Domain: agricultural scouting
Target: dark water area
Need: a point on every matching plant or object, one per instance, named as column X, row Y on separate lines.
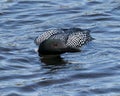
column 95, row 71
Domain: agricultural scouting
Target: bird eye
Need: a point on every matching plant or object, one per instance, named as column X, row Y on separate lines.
column 55, row 45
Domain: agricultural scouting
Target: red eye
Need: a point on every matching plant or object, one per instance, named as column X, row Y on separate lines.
column 55, row 45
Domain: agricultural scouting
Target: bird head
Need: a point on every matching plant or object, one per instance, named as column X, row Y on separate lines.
column 54, row 47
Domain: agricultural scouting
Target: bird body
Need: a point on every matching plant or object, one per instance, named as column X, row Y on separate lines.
column 58, row 41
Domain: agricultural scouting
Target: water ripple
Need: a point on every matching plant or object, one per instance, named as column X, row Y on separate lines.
column 92, row 72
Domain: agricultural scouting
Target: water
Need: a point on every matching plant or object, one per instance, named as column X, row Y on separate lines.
column 92, row 72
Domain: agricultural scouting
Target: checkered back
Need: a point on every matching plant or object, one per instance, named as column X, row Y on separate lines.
column 73, row 37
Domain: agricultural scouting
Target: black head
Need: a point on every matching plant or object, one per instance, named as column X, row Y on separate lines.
column 54, row 47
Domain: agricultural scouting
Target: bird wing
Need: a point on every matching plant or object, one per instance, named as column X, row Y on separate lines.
column 77, row 39
column 47, row 35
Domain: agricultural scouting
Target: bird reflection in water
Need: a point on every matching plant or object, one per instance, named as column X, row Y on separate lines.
column 53, row 64
column 53, row 60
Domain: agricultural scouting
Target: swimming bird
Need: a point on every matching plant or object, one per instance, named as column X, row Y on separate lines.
column 58, row 41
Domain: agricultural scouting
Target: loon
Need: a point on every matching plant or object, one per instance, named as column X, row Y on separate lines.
column 58, row 41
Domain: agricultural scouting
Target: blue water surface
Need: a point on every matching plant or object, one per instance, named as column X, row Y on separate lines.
column 95, row 71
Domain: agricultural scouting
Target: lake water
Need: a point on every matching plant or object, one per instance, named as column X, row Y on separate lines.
column 95, row 71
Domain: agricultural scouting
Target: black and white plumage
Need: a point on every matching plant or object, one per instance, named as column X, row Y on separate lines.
column 58, row 41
